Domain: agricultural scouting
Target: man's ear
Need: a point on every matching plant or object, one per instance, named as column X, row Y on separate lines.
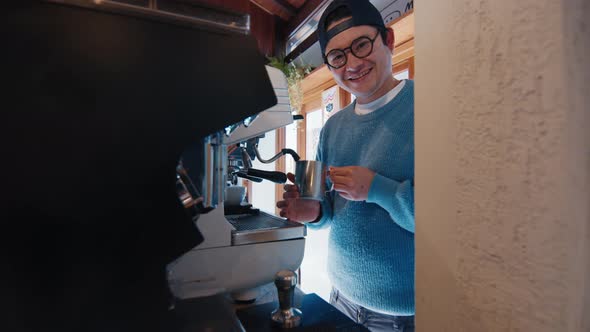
column 390, row 39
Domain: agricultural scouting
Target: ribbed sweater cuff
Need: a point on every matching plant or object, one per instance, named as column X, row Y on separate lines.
column 382, row 189
column 324, row 218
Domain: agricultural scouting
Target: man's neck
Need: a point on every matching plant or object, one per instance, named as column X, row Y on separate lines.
column 383, row 90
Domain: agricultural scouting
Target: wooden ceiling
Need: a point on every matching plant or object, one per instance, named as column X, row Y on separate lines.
column 291, row 12
column 279, row 19
column 287, row 16
column 285, row 9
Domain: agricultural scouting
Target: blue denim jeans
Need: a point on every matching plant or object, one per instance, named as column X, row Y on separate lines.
column 374, row 321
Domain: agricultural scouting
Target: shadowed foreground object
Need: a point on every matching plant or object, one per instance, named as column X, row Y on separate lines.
column 97, row 110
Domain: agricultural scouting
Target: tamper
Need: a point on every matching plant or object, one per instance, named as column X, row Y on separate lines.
column 285, row 315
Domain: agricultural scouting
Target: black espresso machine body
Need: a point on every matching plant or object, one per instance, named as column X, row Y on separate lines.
column 98, row 106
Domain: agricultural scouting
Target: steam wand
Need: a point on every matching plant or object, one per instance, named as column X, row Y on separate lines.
column 280, row 154
column 274, row 176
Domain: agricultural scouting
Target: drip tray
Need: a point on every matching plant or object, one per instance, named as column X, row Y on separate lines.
column 263, row 227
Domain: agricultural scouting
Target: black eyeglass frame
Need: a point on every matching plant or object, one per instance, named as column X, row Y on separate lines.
column 343, row 50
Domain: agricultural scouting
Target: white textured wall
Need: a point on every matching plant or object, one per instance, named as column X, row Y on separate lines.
column 502, row 165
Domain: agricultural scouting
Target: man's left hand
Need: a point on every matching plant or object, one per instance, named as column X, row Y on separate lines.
column 352, row 182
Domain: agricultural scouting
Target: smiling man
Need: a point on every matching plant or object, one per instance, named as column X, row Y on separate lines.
column 369, row 147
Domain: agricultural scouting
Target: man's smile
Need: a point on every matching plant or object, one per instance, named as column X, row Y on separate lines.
column 359, row 75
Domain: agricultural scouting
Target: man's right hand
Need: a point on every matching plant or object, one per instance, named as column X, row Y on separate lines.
column 294, row 208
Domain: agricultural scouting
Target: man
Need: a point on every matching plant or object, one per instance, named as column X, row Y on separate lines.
column 369, row 148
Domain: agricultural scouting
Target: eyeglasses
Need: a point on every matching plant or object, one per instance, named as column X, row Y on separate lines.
column 360, row 48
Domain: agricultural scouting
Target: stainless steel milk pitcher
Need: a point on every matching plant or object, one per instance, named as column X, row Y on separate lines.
column 310, row 178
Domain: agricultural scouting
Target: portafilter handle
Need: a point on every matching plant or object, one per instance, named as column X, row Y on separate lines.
column 286, row 315
column 274, row 176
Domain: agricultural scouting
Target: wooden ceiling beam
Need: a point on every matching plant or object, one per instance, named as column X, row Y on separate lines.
column 280, row 8
column 307, row 43
column 286, row 6
column 302, row 15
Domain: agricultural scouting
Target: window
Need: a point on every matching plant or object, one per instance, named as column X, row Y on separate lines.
column 263, row 193
column 313, row 126
column 314, row 275
column 403, row 75
column 290, row 143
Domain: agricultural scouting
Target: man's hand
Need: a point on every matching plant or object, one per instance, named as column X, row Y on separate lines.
column 352, row 182
column 294, row 208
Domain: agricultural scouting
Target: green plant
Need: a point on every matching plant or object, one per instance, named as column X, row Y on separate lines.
column 295, row 74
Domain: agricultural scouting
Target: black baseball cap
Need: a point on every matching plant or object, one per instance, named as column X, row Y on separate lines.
column 362, row 13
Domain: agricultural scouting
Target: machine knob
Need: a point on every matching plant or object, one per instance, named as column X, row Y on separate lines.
column 285, row 315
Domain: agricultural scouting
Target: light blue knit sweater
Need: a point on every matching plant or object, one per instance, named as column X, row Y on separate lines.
column 371, row 244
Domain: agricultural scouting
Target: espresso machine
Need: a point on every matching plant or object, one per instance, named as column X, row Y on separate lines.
column 243, row 248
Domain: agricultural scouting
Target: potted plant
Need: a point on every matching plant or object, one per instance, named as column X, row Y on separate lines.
column 295, row 74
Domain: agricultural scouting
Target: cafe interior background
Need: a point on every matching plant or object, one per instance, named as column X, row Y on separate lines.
column 285, row 31
column 502, row 156
column 502, row 151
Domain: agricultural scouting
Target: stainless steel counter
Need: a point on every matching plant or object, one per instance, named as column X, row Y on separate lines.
column 263, row 227
column 220, row 313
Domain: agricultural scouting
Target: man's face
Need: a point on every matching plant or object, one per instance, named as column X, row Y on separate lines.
column 368, row 78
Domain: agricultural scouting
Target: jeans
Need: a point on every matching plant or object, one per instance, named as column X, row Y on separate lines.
column 374, row 321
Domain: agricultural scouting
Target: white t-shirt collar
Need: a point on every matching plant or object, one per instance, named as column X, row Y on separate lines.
column 363, row 109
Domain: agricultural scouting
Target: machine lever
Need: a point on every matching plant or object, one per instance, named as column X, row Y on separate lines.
column 276, row 177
